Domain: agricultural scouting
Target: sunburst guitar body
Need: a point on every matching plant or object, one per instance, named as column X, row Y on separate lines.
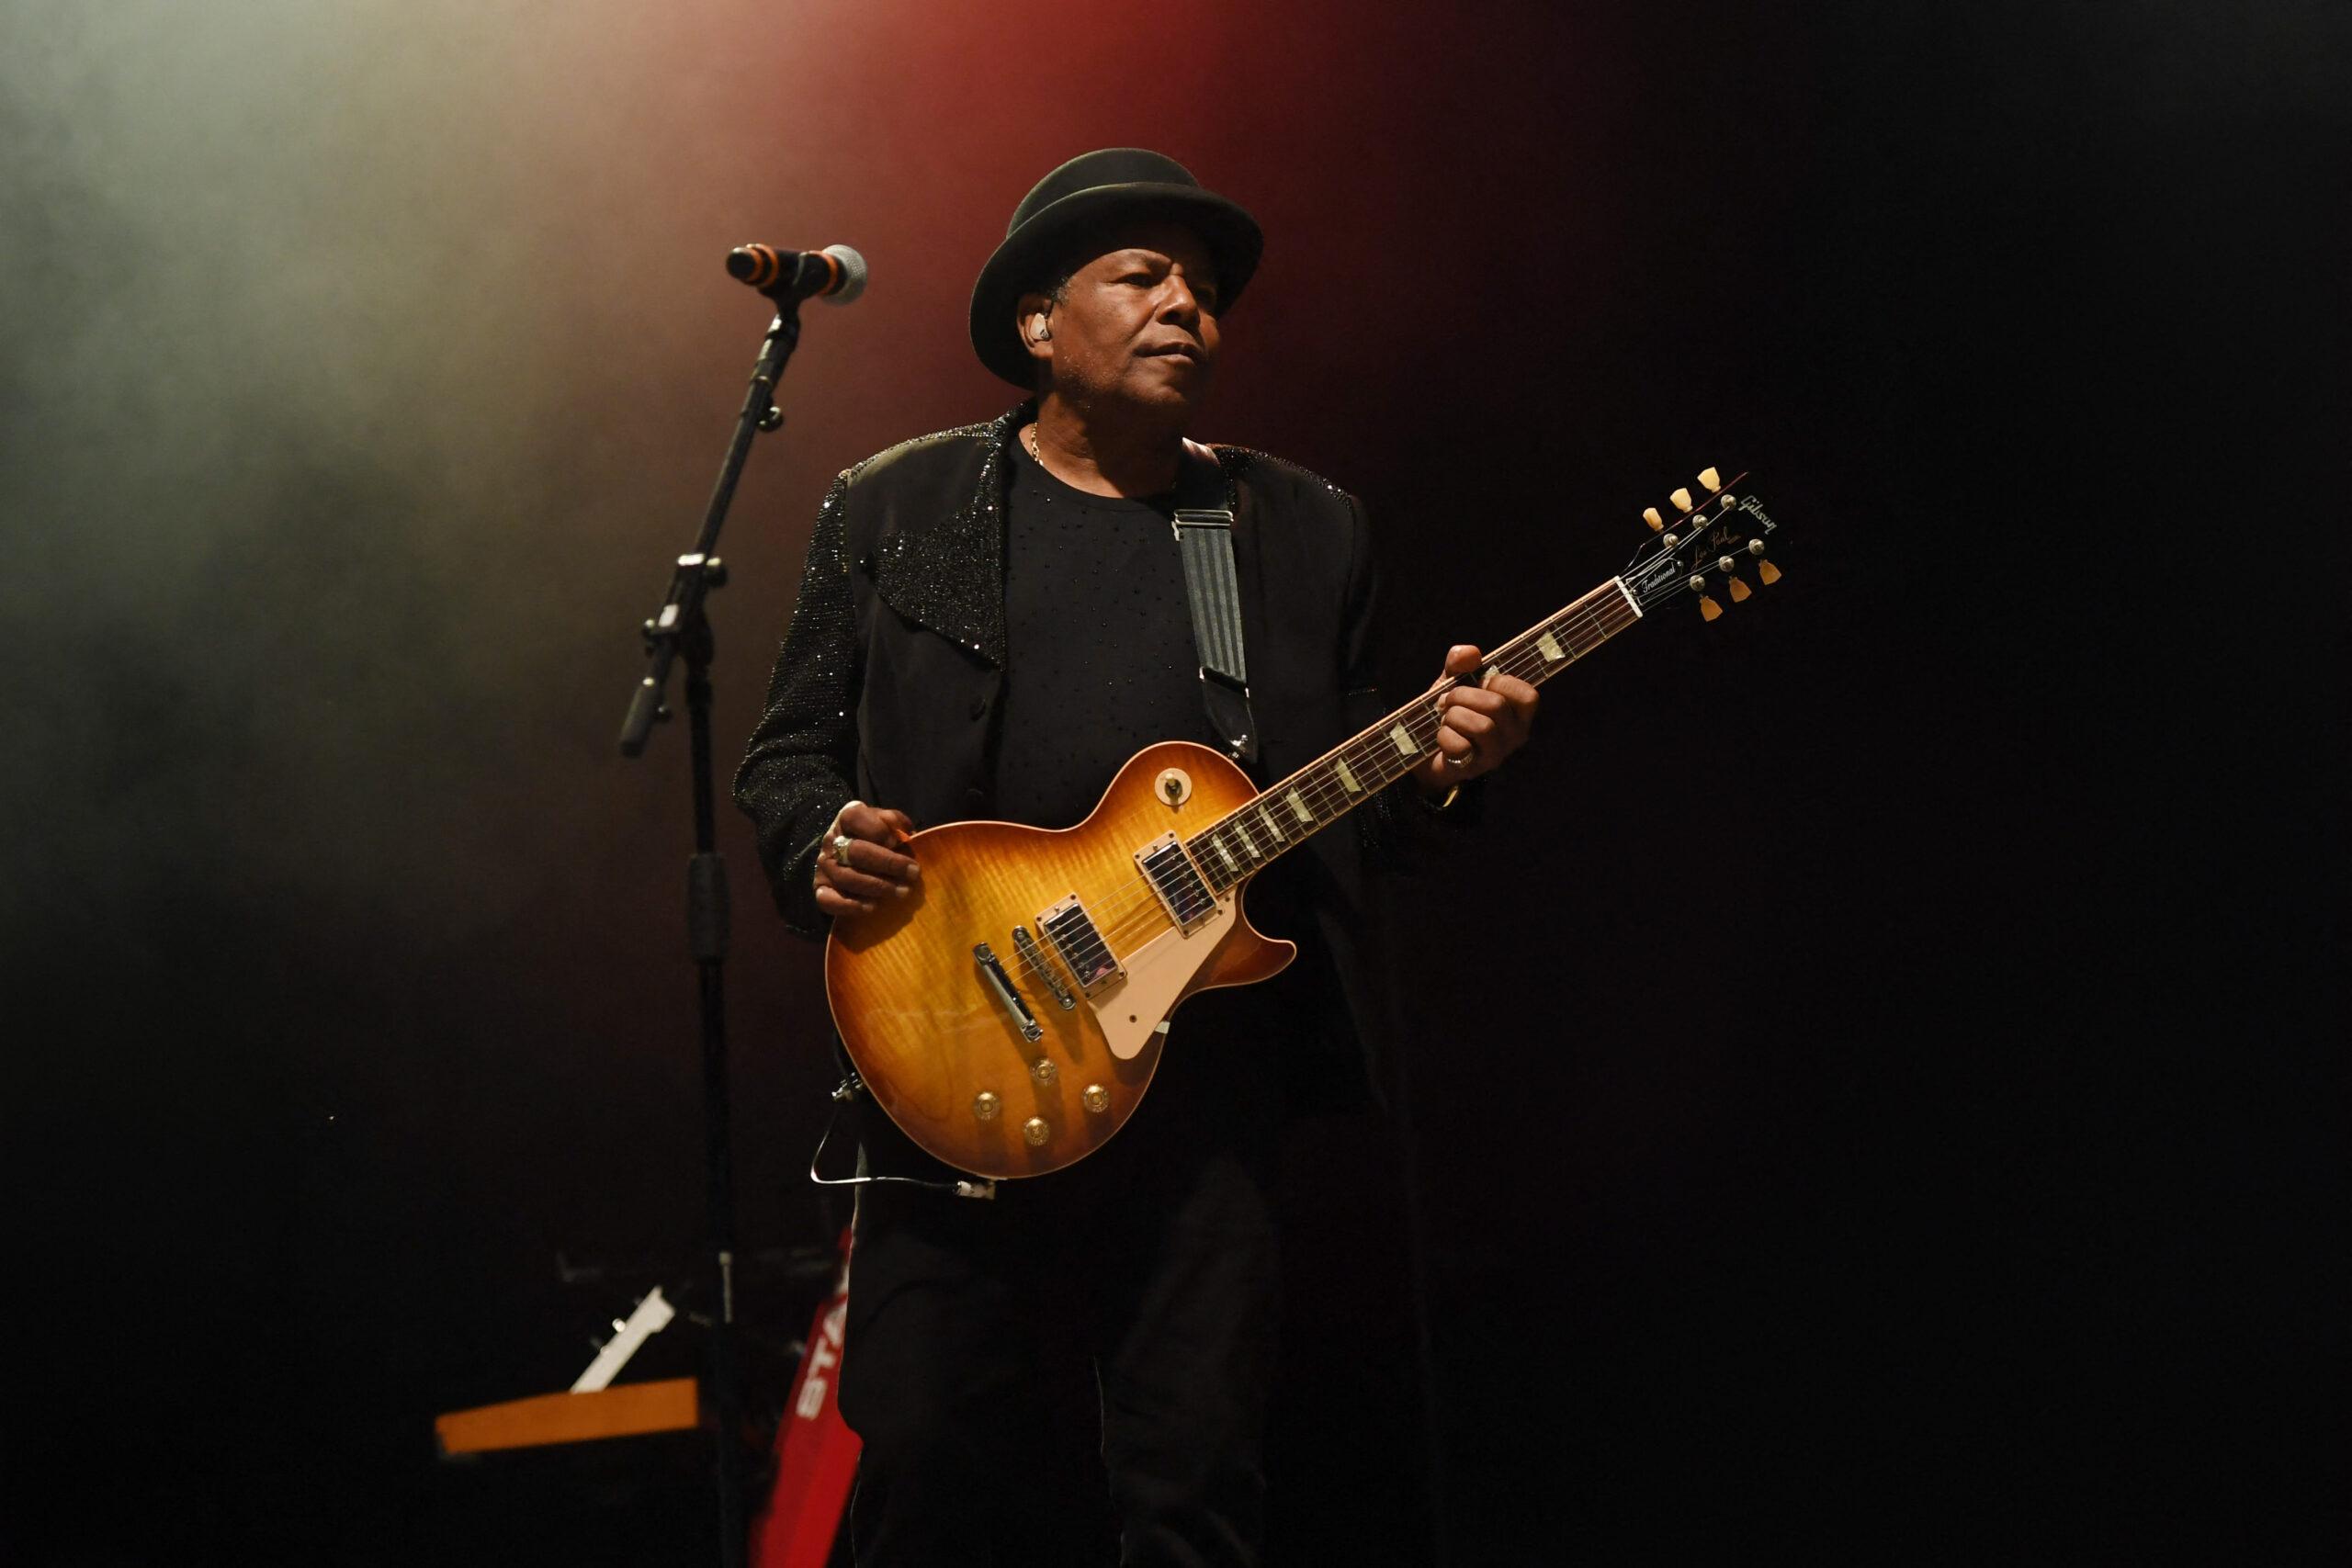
column 1009, row 1013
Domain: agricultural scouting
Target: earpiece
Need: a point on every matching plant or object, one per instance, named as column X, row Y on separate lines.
column 1042, row 331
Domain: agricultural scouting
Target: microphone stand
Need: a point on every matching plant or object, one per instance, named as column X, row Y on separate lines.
column 682, row 630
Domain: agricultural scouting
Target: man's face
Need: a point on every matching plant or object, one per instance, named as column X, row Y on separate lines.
column 1137, row 324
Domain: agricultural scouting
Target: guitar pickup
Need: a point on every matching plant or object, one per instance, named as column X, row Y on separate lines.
column 1176, row 881
column 1071, row 930
column 992, row 971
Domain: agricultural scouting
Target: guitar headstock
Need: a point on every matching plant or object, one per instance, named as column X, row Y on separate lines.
column 1704, row 542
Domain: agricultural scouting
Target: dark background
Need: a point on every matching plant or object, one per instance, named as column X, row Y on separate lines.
column 1872, row 1084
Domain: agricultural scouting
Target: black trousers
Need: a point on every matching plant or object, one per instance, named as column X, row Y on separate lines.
column 1077, row 1371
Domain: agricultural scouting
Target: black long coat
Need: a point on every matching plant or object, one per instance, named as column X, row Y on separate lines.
column 886, row 686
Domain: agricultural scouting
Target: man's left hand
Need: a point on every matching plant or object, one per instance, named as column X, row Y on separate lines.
column 1483, row 723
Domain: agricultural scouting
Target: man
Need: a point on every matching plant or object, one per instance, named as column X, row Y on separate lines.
column 991, row 621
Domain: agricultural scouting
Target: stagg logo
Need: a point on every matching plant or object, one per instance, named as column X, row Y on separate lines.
column 823, row 1356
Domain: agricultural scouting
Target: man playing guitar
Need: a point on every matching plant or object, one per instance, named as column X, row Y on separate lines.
column 992, row 620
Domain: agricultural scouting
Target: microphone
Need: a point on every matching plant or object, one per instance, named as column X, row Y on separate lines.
column 835, row 274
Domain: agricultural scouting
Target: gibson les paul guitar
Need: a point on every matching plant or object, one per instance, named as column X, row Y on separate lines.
column 1009, row 1013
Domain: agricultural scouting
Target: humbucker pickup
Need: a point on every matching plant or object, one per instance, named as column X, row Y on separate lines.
column 1071, row 930
column 1178, row 882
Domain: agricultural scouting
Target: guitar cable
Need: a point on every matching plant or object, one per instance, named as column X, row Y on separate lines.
column 848, row 1089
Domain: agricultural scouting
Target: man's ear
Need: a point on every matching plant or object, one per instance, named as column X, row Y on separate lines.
column 1033, row 318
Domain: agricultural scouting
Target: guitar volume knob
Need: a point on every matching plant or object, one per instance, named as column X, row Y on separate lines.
column 1035, row 1131
column 1096, row 1097
column 986, row 1105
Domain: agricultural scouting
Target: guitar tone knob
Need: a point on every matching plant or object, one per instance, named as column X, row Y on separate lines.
column 986, row 1105
column 1035, row 1131
column 1096, row 1097
column 1043, row 1069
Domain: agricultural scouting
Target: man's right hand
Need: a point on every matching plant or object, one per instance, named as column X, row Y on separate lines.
column 854, row 879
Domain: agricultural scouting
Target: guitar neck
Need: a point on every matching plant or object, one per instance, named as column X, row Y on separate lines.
column 1294, row 809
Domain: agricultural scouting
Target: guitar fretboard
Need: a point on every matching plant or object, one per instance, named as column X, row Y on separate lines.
column 1343, row 778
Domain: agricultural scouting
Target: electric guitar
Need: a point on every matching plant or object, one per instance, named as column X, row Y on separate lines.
column 1009, row 1012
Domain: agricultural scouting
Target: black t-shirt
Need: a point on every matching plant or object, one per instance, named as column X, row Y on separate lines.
column 1099, row 645
column 1100, row 663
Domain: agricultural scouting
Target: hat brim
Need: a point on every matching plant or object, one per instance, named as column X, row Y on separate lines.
column 1019, row 264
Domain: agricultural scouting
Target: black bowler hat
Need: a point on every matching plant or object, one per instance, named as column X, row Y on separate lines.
column 1092, row 192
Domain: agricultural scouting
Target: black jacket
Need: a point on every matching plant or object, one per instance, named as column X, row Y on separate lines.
column 885, row 689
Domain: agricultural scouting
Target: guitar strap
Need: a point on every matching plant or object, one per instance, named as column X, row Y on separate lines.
column 1204, row 526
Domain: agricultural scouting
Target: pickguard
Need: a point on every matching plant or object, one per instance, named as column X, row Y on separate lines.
column 1129, row 1010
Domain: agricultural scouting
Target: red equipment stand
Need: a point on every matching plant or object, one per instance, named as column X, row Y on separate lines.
column 816, row 1451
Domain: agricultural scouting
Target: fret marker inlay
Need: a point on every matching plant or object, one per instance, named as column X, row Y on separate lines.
column 1404, row 740
column 1347, row 779
column 1549, row 649
column 1299, row 807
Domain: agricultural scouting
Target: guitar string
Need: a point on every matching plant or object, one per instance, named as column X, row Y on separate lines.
column 1143, row 910
column 1134, row 923
column 1600, row 606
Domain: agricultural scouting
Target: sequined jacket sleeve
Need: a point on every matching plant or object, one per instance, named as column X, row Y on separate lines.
column 1399, row 829
column 799, row 770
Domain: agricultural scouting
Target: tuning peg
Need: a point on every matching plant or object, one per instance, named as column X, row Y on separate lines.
column 1708, row 476
column 1708, row 609
column 1650, row 516
column 1767, row 571
column 1739, row 590
column 1681, row 499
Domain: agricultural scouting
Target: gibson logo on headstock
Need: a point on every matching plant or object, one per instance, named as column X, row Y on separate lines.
column 1755, row 509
